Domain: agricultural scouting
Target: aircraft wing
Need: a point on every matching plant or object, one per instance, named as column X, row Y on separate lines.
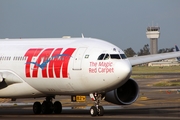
column 150, row 58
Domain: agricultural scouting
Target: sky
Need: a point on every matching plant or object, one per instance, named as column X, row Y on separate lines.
column 121, row 22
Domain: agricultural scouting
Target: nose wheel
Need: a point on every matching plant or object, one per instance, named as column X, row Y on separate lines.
column 96, row 110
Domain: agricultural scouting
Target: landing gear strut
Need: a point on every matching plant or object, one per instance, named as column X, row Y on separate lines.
column 47, row 107
column 96, row 109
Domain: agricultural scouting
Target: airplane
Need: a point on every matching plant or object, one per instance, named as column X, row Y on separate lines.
column 47, row 67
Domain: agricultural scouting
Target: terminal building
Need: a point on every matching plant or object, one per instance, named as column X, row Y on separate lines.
column 167, row 62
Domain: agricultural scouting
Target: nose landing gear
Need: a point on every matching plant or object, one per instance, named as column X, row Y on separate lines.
column 96, row 109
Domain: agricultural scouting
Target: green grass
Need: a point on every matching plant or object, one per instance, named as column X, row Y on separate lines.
column 165, row 84
column 155, row 69
column 137, row 70
column 142, row 76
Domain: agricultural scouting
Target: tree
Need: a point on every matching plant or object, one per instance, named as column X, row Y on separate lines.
column 144, row 51
column 165, row 50
column 129, row 52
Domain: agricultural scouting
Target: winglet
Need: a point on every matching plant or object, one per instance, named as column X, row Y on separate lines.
column 82, row 35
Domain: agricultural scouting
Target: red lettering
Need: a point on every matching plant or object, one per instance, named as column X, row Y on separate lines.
column 92, row 70
column 45, row 56
column 30, row 54
column 61, row 63
column 68, row 52
column 54, row 63
column 57, row 63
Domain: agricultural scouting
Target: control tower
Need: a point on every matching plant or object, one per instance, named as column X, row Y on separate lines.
column 153, row 34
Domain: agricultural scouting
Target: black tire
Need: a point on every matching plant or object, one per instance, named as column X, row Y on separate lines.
column 100, row 110
column 51, row 107
column 37, row 108
column 93, row 111
column 57, row 107
column 47, row 107
column 44, row 107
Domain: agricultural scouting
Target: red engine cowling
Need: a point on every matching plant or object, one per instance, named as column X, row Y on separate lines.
column 124, row 95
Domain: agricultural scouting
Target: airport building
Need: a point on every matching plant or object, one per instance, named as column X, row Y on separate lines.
column 167, row 62
column 153, row 34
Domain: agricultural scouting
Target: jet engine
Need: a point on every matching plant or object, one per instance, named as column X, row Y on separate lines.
column 125, row 94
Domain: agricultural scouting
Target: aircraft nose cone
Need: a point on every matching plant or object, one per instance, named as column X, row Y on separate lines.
column 123, row 70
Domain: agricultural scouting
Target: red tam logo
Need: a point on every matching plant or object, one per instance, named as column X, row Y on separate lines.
column 51, row 61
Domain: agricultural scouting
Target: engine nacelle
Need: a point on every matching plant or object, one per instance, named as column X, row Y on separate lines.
column 124, row 95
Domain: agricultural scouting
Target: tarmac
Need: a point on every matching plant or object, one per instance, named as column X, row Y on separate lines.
column 154, row 103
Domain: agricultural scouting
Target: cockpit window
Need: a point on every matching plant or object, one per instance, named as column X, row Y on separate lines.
column 115, row 56
column 106, row 57
column 101, row 57
column 111, row 56
column 123, row 56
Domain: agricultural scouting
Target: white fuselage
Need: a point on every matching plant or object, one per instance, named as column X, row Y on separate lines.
column 40, row 67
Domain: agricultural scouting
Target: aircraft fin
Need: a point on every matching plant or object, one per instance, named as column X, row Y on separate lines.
column 177, row 49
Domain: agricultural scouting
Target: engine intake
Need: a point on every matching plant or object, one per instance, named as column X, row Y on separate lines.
column 124, row 95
